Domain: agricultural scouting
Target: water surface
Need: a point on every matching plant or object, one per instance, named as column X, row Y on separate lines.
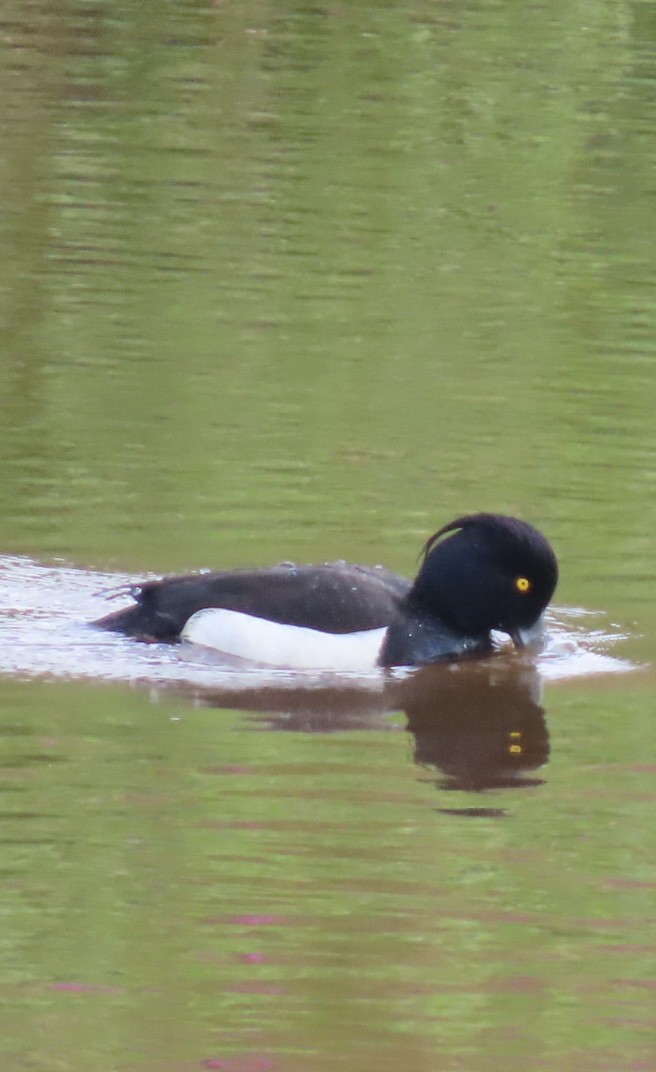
column 308, row 282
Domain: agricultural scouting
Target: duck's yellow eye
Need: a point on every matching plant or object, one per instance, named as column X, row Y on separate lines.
column 523, row 584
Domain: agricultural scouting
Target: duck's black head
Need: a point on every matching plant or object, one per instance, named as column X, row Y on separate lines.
column 483, row 572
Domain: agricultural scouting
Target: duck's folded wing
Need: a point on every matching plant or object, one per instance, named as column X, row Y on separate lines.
column 335, row 598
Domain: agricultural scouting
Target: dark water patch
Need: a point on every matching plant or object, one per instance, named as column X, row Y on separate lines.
column 475, row 813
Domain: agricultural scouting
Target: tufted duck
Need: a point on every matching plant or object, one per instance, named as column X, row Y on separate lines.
column 478, row 573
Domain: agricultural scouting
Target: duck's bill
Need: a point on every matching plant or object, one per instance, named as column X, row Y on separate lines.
column 531, row 637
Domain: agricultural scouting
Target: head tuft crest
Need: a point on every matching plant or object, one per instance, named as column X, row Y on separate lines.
column 460, row 523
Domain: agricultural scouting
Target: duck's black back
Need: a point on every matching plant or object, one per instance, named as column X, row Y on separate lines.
column 334, row 598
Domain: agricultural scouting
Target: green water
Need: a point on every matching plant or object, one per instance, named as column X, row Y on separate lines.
column 308, row 281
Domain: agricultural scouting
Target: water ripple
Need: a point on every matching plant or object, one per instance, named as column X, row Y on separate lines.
column 44, row 632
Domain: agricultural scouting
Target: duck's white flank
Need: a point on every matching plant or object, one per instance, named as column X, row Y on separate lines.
column 290, row 647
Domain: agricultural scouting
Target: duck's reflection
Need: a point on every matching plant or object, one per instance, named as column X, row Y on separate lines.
column 479, row 724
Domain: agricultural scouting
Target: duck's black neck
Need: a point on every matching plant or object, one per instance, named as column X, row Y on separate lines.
column 414, row 639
